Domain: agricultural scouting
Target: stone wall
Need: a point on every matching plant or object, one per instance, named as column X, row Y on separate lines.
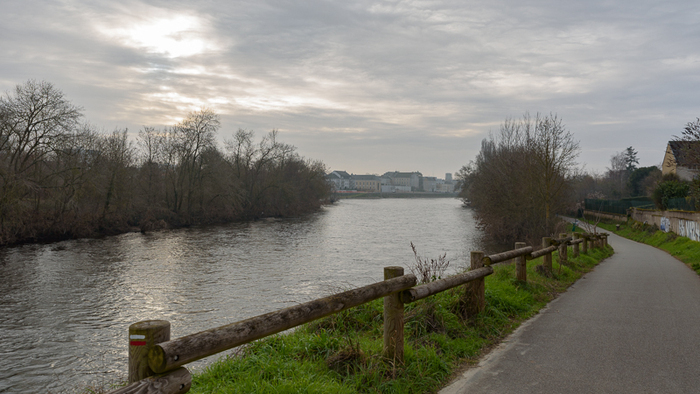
column 685, row 224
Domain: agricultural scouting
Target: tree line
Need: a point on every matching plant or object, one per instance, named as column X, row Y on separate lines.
column 526, row 174
column 61, row 178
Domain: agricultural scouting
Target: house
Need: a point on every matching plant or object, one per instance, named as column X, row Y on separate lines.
column 367, row 183
column 407, row 179
column 683, row 159
column 341, row 180
column 444, row 187
column 429, row 184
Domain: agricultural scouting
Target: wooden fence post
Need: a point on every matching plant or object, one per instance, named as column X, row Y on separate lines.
column 475, row 291
column 547, row 259
column 393, row 319
column 576, row 238
column 584, row 244
column 142, row 337
column 177, row 381
column 562, row 250
column 521, row 264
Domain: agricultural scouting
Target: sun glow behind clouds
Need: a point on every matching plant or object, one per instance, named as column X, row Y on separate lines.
column 175, row 36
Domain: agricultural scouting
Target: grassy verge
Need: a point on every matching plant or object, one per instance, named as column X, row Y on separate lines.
column 682, row 248
column 342, row 353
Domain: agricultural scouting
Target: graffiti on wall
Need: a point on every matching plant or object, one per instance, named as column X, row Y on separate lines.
column 665, row 224
column 689, row 229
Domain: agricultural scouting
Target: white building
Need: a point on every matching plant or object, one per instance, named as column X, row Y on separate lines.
column 341, row 180
column 429, row 184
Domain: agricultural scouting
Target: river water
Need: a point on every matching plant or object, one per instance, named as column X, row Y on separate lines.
column 65, row 307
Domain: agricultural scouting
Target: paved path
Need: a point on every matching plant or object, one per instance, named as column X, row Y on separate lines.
column 630, row 326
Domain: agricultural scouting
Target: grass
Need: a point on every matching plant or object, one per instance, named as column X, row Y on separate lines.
column 682, row 248
column 343, row 352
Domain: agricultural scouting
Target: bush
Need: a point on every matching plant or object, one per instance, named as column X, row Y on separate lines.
column 671, row 187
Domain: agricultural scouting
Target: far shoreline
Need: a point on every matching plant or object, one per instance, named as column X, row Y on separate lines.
column 345, row 195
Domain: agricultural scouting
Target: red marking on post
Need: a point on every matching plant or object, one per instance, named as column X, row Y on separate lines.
column 137, row 343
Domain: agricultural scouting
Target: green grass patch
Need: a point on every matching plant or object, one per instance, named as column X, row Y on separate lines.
column 343, row 352
column 682, row 248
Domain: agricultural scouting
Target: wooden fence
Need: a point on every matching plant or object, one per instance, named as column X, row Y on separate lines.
column 156, row 362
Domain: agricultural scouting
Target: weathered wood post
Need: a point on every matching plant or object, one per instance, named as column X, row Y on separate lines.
column 547, row 259
column 393, row 319
column 562, row 250
column 142, row 337
column 605, row 240
column 576, row 238
column 520, row 264
column 475, row 291
column 177, row 381
column 584, row 244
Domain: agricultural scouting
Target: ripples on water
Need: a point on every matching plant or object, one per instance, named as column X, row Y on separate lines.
column 65, row 308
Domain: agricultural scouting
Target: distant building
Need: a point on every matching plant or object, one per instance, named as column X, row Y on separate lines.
column 445, row 187
column 410, row 179
column 340, row 180
column 429, row 184
column 683, row 159
column 367, row 183
column 448, row 177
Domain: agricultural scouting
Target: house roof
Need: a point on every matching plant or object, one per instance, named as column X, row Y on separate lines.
column 397, row 174
column 365, row 177
column 342, row 174
column 686, row 153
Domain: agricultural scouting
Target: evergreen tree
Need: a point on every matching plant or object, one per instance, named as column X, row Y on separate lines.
column 631, row 159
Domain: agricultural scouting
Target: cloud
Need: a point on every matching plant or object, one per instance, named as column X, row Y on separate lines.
column 424, row 77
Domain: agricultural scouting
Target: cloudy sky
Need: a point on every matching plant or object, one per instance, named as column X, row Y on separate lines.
column 371, row 86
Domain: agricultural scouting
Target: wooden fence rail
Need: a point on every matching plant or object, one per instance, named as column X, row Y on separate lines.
column 155, row 361
column 542, row 252
column 438, row 286
column 175, row 353
column 500, row 257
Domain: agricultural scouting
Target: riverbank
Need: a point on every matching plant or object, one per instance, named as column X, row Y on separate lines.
column 342, row 353
column 149, row 223
column 354, row 195
column 682, row 248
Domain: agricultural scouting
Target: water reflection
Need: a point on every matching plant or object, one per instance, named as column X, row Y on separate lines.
column 65, row 308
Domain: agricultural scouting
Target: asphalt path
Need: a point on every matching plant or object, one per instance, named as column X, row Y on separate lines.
column 632, row 325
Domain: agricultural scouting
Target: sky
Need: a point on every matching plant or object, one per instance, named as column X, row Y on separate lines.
column 371, row 86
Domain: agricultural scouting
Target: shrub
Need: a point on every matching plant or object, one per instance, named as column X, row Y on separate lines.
column 428, row 270
column 670, row 187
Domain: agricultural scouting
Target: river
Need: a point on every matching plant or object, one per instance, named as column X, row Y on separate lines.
column 65, row 307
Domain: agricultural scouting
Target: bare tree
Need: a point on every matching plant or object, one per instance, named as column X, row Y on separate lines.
column 190, row 139
column 117, row 157
column 617, row 175
column 33, row 123
column 552, row 151
column 257, row 167
column 521, row 177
